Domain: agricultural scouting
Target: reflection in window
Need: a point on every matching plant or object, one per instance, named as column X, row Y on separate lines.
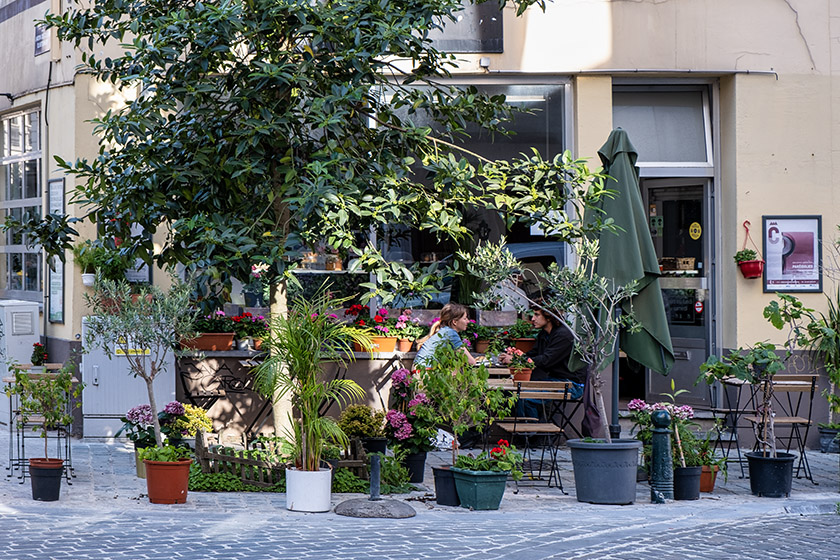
column 20, row 188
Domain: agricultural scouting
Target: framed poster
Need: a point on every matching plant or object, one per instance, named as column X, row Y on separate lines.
column 792, row 253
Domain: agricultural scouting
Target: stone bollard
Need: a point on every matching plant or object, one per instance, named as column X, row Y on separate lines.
column 662, row 467
column 375, row 470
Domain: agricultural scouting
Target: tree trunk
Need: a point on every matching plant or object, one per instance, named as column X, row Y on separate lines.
column 155, row 420
column 599, row 402
column 282, row 407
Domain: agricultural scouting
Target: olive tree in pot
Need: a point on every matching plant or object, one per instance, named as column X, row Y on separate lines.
column 461, row 399
column 143, row 323
column 45, row 402
column 586, row 304
column 771, row 472
column 300, row 342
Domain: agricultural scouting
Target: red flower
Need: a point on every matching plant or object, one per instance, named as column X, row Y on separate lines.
column 496, row 450
column 362, row 322
column 504, row 443
column 378, row 319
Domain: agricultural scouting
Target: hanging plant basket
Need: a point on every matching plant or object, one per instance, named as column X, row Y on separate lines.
column 751, row 269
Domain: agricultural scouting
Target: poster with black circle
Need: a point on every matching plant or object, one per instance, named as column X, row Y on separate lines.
column 792, row 253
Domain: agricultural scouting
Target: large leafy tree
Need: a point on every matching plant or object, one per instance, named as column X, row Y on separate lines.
column 256, row 126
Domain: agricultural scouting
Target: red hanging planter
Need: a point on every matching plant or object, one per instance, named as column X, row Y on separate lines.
column 751, row 269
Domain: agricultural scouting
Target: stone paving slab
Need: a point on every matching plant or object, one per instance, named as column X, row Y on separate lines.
column 105, row 514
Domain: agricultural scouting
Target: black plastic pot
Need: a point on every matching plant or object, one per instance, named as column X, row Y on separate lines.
column 829, row 442
column 687, row 483
column 416, row 465
column 375, row 444
column 446, row 494
column 770, row 477
column 45, row 475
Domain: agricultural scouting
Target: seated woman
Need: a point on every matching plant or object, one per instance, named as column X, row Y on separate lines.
column 550, row 354
column 453, row 320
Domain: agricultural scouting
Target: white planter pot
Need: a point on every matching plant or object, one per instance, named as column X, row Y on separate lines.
column 308, row 490
column 88, row 279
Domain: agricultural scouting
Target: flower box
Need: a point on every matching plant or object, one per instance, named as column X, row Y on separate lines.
column 210, row 341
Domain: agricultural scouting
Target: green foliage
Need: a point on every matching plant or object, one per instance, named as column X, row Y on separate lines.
column 303, row 81
column 226, row 482
column 345, row 481
column 93, row 256
column 300, row 342
column 501, row 458
column 47, row 397
column 360, row 420
column 460, row 395
column 167, row 453
column 522, row 329
column 745, row 255
column 142, row 323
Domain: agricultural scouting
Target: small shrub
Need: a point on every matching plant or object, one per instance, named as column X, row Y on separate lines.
column 360, row 420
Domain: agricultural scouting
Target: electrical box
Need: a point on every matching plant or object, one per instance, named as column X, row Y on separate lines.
column 18, row 332
column 111, row 389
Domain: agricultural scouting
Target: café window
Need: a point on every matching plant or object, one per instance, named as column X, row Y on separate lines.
column 20, row 185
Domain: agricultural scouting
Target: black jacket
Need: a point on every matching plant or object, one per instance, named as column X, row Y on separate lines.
column 551, row 355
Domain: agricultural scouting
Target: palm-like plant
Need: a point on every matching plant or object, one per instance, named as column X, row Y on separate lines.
column 299, row 343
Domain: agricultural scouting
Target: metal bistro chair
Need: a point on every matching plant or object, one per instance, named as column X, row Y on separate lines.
column 789, row 392
column 551, row 392
column 732, row 409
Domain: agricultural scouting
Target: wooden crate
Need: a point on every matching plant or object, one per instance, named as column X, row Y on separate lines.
column 685, row 263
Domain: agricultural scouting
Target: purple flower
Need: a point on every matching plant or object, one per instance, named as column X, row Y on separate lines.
column 140, row 415
column 174, row 408
column 419, row 398
column 400, row 377
column 636, row 405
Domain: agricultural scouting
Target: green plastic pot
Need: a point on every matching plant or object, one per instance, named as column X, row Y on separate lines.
column 480, row 490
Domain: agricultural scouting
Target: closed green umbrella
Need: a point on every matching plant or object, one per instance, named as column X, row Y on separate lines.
column 629, row 255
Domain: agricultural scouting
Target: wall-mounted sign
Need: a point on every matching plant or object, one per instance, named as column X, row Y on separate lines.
column 695, row 231
column 792, row 253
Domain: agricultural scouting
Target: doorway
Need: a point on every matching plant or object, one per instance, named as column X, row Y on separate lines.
column 680, row 226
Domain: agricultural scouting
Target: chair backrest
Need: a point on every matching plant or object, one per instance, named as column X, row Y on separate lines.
column 545, row 390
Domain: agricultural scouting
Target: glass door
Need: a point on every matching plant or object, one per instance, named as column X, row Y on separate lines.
column 680, row 228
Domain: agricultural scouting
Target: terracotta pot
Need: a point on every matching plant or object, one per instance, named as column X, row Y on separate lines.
column 384, row 343
column 210, row 341
column 707, row 478
column 404, row 344
column 751, row 269
column 481, row 346
column 167, row 482
column 45, row 477
column 524, row 344
column 520, row 374
column 258, row 342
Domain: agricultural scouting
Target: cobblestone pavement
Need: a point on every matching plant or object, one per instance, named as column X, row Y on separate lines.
column 104, row 514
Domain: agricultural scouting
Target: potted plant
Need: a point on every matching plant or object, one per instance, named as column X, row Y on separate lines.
column 407, row 329
column 609, row 474
column 410, row 423
column 710, row 461
column 45, row 401
column 143, row 329
column 480, row 481
column 167, row 473
column 461, row 399
column 301, row 341
column 520, row 365
column 95, row 258
column 215, row 332
column 361, row 421
column 38, row 358
column 747, row 260
column 139, row 429
column 522, row 334
column 771, row 471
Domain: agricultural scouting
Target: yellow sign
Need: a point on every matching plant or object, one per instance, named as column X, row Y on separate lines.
column 695, row 231
column 130, row 351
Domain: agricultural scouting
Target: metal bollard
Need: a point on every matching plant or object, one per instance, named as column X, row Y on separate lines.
column 662, row 468
column 375, row 469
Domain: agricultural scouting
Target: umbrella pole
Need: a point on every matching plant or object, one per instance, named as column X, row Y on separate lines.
column 615, row 427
